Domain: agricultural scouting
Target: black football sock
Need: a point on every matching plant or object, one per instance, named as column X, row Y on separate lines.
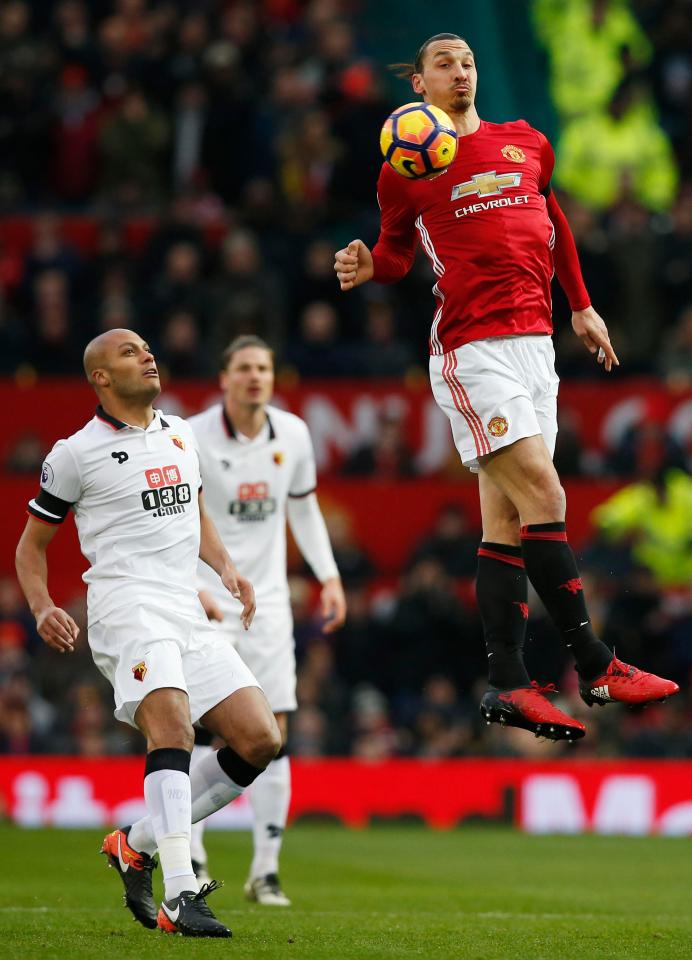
column 501, row 593
column 552, row 570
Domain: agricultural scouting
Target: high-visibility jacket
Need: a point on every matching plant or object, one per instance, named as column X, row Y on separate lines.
column 599, row 158
column 585, row 62
column 660, row 526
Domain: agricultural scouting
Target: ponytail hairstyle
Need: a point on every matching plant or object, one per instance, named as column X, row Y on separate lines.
column 404, row 71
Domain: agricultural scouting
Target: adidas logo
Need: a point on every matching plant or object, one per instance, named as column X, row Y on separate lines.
column 601, row 692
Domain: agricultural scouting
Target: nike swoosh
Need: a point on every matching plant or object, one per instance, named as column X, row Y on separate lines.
column 123, row 866
column 171, row 914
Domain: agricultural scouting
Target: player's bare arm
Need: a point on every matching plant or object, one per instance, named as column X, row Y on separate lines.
column 213, row 552
column 55, row 626
column 333, row 604
column 353, row 265
column 593, row 333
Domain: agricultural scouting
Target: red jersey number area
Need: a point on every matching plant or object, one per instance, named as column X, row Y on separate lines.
column 483, row 224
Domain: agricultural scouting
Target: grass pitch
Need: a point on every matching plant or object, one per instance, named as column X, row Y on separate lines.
column 388, row 892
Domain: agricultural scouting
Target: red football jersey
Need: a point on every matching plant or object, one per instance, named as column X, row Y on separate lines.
column 484, row 226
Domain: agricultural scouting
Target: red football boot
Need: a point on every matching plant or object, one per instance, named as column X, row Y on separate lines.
column 622, row 683
column 530, row 709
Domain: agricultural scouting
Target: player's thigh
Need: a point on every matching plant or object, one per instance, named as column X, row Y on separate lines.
column 139, row 650
column 268, row 648
column 499, row 516
column 486, row 395
column 525, row 474
column 213, row 670
column 245, row 721
column 163, row 716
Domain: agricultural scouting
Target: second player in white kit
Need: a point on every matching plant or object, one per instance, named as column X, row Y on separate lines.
column 258, row 470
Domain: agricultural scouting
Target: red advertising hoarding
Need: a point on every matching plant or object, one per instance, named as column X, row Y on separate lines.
column 610, row 797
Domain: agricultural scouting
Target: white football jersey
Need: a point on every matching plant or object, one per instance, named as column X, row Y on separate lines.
column 247, row 483
column 134, row 493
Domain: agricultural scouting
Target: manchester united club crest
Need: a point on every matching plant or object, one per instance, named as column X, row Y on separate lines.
column 278, row 457
column 515, row 154
column 179, row 442
column 498, row 426
column 139, row 671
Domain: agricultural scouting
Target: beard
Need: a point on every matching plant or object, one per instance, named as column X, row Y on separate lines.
column 143, row 391
column 461, row 102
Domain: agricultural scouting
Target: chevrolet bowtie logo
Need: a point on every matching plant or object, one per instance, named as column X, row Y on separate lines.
column 486, row 184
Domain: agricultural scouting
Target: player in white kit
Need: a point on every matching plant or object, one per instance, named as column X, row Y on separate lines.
column 258, row 469
column 131, row 476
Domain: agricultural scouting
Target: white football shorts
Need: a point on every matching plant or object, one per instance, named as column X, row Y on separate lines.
column 143, row 648
column 497, row 391
column 268, row 649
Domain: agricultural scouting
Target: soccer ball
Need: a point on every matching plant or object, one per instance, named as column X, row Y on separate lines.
column 418, row 141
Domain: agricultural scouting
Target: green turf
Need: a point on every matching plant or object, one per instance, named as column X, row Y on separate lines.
column 388, row 892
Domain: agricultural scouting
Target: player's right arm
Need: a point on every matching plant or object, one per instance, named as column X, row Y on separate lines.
column 55, row 626
column 60, row 489
column 393, row 254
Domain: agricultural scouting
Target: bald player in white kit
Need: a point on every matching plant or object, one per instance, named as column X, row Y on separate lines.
column 131, row 477
column 258, row 470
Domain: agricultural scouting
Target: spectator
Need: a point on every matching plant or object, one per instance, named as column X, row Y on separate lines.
column 75, row 158
column 452, row 543
column 180, row 286
column 133, row 145
column 386, row 456
column 675, row 363
column 619, row 153
column 188, row 129
column 381, row 353
column 53, row 347
column 181, row 352
column 353, row 562
column 654, row 513
column 245, row 295
column 676, row 255
column 591, row 45
column 319, row 352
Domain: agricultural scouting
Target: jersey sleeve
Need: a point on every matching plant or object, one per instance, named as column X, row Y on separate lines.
column 60, row 486
column 304, row 479
column 567, row 266
column 547, row 162
column 396, row 246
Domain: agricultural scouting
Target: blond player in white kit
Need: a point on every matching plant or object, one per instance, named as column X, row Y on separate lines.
column 131, row 477
column 258, row 470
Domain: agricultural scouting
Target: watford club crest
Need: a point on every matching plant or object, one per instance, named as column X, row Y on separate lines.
column 515, row 154
column 139, row 671
column 278, row 457
column 179, row 442
column 498, row 426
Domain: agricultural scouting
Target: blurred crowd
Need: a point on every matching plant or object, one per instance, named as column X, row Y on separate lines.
column 405, row 675
column 221, row 150
column 187, row 169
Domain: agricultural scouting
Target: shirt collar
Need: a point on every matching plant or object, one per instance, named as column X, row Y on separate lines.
column 158, row 423
column 233, row 433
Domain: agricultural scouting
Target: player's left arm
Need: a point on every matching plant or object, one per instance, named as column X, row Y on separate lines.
column 588, row 325
column 310, row 532
column 213, row 552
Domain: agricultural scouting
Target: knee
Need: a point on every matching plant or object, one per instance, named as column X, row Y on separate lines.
column 556, row 500
column 548, row 495
column 265, row 744
column 176, row 733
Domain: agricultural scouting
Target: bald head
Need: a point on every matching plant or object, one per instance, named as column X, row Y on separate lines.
column 118, row 363
column 98, row 350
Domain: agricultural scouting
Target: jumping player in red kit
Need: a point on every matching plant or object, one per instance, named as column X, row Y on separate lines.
column 494, row 234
